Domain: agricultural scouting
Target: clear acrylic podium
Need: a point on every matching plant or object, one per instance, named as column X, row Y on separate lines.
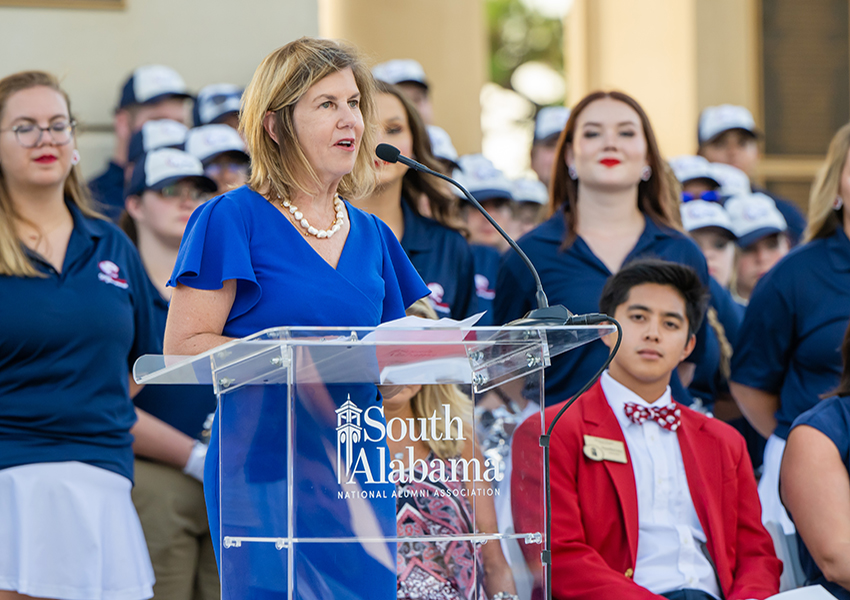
column 323, row 493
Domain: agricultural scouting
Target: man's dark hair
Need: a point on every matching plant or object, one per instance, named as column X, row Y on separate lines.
column 661, row 272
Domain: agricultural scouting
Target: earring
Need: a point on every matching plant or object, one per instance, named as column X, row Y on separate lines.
column 646, row 173
column 837, row 203
column 571, row 170
column 75, row 157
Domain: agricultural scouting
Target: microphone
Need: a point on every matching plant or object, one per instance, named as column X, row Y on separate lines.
column 543, row 314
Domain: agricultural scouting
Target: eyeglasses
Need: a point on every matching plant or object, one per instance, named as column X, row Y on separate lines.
column 173, row 192
column 29, row 134
column 709, row 196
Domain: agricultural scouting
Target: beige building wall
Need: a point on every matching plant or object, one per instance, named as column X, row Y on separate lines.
column 647, row 49
column 94, row 51
column 447, row 37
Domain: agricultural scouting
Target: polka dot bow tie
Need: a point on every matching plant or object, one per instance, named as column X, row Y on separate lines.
column 666, row 416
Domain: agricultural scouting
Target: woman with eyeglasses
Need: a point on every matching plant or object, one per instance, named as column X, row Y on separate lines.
column 76, row 314
column 167, row 185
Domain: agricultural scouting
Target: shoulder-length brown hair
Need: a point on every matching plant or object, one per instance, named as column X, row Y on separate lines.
column 443, row 205
column 657, row 198
column 823, row 218
column 13, row 260
column 279, row 82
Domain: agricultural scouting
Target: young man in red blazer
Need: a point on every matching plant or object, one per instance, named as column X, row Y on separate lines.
column 649, row 498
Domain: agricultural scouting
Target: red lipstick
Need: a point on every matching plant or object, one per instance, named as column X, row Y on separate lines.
column 609, row 162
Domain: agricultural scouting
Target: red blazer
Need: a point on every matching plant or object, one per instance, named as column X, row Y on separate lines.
column 595, row 512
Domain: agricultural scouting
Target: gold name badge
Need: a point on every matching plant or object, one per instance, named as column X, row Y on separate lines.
column 597, row 448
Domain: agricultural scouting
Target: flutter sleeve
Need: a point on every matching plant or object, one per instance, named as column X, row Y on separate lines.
column 403, row 285
column 216, row 247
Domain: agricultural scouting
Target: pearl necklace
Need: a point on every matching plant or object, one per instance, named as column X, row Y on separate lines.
column 339, row 221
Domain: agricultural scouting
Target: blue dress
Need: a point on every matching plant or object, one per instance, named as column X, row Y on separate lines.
column 282, row 281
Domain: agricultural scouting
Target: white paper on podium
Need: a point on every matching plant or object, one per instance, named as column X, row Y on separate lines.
column 811, row 592
column 420, row 323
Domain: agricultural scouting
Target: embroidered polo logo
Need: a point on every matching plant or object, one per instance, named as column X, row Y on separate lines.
column 109, row 274
column 436, row 298
column 482, row 287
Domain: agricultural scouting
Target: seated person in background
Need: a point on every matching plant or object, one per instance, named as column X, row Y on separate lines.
column 728, row 134
column 529, row 206
column 492, row 189
column 814, row 485
column 649, row 497
column 171, row 431
column 222, row 152
column 548, row 125
column 218, row 104
column 762, row 238
column 409, row 76
column 151, row 92
column 431, row 505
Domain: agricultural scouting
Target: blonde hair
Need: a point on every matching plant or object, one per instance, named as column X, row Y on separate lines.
column 823, row 218
column 432, row 398
column 13, row 259
column 279, row 82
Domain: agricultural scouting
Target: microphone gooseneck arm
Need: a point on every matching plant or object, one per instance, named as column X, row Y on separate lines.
column 391, row 154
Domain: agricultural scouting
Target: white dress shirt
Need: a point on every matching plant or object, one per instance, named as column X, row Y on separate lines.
column 670, row 537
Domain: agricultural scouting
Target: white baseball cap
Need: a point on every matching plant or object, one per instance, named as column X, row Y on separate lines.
column 753, row 217
column 530, row 190
column 215, row 101
column 687, row 168
column 402, row 70
column 699, row 214
column 164, row 167
column 733, row 181
column 483, row 180
column 209, row 141
column 152, row 83
column 714, row 120
column 550, row 120
column 161, row 133
column 441, row 144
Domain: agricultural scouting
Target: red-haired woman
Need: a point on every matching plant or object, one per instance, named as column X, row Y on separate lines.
column 611, row 201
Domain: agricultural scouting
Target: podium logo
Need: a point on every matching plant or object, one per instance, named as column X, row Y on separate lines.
column 355, row 427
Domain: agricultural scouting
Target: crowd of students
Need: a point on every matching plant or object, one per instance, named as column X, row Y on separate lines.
column 732, row 304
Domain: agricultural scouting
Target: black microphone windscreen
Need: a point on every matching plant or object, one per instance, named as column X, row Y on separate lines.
column 387, row 153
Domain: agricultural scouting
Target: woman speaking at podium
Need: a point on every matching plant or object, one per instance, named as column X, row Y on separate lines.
column 288, row 249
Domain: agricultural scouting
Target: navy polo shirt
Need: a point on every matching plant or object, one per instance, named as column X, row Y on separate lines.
column 67, row 342
column 486, row 268
column 832, row 418
column 575, row 278
column 790, row 340
column 184, row 407
column 107, row 189
column 443, row 259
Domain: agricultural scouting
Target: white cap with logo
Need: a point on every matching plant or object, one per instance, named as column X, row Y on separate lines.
column 209, row 141
column 699, row 214
column 714, row 120
column 753, row 217
column 401, row 70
